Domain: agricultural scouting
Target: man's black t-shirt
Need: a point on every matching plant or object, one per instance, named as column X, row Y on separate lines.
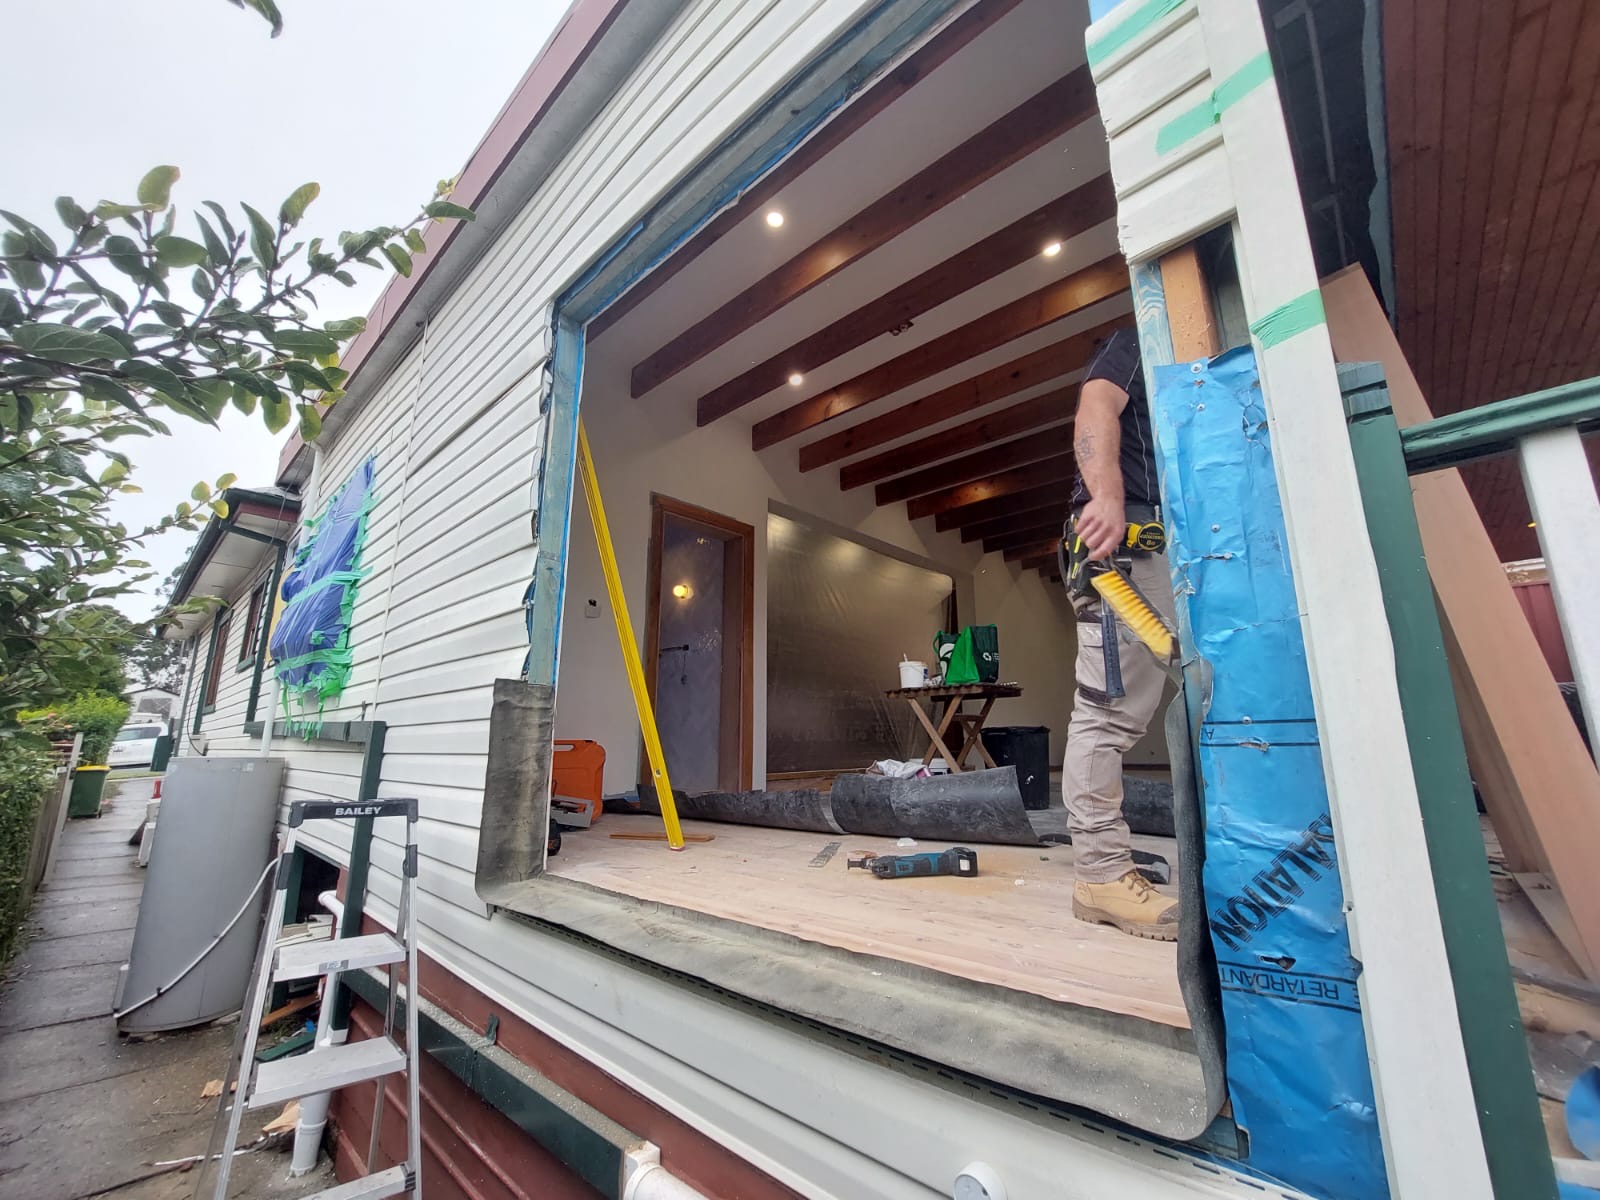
column 1117, row 360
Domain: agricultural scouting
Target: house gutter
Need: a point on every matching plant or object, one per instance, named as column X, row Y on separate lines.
column 594, row 49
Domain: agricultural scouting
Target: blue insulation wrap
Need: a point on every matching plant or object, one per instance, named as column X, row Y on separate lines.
column 1296, row 1051
column 311, row 642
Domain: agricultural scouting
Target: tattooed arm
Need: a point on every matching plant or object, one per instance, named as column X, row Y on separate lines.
column 1097, row 441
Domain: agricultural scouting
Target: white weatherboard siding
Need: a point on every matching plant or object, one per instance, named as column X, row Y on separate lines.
column 458, row 437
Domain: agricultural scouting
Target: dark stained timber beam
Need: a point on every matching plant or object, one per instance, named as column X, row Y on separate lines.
column 978, row 465
column 1007, row 379
column 1049, row 409
column 1019, row 479
column 1054, row 492
column 1042, row 118
column 1036, row 532
column 1043, row 561
column 1059, row 221
column 1049, row 512
column 1044, row 548
column 1052, row 303
column 958, row 34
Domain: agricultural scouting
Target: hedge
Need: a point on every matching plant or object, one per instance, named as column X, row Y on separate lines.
column 26, row 774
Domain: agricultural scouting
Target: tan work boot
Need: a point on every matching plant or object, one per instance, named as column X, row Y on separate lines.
column 1131, row 904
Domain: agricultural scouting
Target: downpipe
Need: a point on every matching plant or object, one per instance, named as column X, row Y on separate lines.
column 644, row 1178
column 314, row 1108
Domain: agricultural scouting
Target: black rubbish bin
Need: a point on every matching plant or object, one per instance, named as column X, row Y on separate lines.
column 1027, row 748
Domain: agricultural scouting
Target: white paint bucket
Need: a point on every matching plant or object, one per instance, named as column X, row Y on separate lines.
column 913, row 674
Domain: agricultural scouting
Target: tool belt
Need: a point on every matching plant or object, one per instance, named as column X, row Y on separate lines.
column 1146, row 535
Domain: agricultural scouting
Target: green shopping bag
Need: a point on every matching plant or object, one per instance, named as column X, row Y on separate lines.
column 972, row 656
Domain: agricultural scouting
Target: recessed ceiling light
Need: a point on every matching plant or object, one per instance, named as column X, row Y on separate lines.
column 682, row 591
column 1053, row 249
column 774, row 217
column 796, row 379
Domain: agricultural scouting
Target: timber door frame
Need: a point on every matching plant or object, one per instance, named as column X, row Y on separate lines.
column 736, row 740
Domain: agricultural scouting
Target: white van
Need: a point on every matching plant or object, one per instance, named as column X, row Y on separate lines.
column 134, row 745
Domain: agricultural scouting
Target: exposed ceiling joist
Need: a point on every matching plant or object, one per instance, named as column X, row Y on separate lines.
column 1045, row 549
column 1043, row 117
column 1057, row 492
column 813, row 150
column 1037, row 531
column 1055, row 470
column 1063, row 358
column 1036, row 514
column 1048, row 409
column 977, row 465
column 1042, row 562
column 1059, row 221
column 1055, row 302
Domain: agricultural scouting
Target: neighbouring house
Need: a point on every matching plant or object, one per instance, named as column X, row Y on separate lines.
column 819, row 279
column 237, row 562
column 151, row 700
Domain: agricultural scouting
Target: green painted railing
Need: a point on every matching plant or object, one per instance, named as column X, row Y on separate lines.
column 1494, row 429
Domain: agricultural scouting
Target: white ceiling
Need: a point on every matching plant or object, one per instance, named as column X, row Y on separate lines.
column 1031, row 47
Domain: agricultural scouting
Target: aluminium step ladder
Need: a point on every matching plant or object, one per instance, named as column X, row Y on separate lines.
column 328, row 1067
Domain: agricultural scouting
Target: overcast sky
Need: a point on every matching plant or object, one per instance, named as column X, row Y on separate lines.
column 376, row 100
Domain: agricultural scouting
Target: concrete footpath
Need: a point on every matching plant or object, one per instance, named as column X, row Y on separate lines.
column 83, row 1111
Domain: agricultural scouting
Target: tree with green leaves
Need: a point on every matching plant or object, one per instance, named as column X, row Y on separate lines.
column 127, row 317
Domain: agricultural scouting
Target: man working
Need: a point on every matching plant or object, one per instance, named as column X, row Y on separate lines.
column 1116, row 484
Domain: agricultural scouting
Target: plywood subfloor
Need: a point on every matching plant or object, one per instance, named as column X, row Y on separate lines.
column 1011, row 926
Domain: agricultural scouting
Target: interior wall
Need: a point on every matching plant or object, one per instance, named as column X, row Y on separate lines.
column 643, row 447
column 689, row 661
column 837, row 611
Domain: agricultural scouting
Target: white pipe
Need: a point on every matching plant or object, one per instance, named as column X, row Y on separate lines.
column 644, row 1178
column 314, row 1108
column 272, row 705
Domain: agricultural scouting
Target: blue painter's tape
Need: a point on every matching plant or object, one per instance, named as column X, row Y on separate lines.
column 1296, row 1050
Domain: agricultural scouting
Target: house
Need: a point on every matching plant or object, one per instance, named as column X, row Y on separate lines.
column 156, row 700
column 818, row 280
column 237, row 561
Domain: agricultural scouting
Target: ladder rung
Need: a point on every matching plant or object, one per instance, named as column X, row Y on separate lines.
column 302, row 960
column 369, row 1187
column 325, row 1069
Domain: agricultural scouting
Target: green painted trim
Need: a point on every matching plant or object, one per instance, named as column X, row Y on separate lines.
column 291, row 914
column 201, row 708
column 274, row 582
column 1494, row 429
column 355, row 888
column 1289, row 320
column 585, row 1140
column 1120, row 34
column 1208, row 113
column 1486, row 1004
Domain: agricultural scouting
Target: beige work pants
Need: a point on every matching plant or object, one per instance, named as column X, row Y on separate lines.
column 1102, row 729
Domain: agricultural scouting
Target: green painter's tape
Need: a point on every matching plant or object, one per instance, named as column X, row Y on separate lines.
column 1244, row 81
column 1186, row 126
column 1208, row 112
column 1287, row 320
column 1123, row 32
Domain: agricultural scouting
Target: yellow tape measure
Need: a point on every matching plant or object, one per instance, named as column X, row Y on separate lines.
column 1150, row 536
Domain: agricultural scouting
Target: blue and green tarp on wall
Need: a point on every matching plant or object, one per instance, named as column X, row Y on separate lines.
column 311, row 643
